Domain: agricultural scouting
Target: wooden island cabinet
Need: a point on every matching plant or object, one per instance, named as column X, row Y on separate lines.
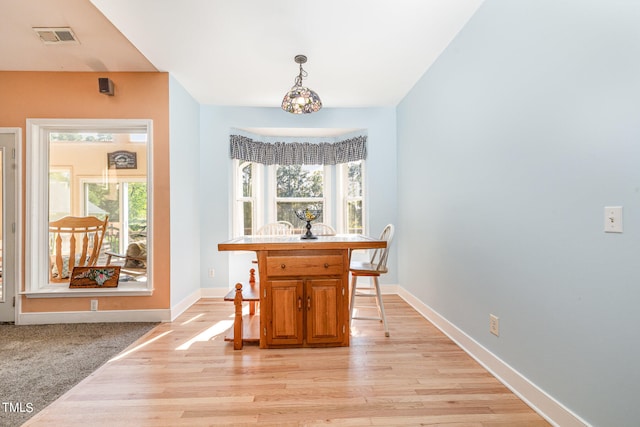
column 304, row 287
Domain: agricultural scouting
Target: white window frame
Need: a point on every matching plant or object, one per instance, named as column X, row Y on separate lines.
column 37, row 204
column 327, row 199
column 264, row 197
column 343, row 196
column 238, row 198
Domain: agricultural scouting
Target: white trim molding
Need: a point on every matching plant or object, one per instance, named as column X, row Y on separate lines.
column 549, row 408
column 107, row 316
column 13, row 258
column 214, row 292
column 182, row 306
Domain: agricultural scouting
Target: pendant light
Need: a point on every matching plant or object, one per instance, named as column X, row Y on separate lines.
column 301, row 99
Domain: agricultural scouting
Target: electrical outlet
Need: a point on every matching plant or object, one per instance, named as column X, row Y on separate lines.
column 94, row 305
column 494, row 325
column 212, row 272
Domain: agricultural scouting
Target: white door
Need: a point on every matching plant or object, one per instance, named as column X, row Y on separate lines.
column 9, row 138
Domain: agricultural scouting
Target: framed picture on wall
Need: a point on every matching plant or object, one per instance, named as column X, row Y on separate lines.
column 123, row 160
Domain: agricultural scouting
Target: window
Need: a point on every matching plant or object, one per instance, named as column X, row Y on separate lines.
column 326, row 173
column 293, row 187
column 353, row 197
column 88, row 167
column 298, row 187
column 246, row 186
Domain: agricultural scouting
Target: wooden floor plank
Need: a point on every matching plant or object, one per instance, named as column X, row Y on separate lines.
column 185, row 374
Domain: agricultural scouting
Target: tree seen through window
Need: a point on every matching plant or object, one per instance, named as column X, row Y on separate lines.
column 298, row 187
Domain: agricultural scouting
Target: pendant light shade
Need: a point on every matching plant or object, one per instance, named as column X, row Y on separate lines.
column 301, row 99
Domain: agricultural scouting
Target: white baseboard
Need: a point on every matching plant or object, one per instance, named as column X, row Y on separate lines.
column 109, row 316
column 187, row 302
column 182, row 306
column 213, row 292
column 156, row 315
column 549, row 408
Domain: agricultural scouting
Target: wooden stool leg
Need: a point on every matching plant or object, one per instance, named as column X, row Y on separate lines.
column 352, row 301
column 237, row 323
column 252, row 282
column 381, row 305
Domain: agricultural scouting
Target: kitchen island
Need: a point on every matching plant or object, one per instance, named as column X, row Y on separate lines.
column 303, row 287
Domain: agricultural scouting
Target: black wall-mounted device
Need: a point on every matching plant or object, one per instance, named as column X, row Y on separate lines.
column 105, row 86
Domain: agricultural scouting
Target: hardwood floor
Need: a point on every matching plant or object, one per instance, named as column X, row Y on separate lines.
column 184, row 374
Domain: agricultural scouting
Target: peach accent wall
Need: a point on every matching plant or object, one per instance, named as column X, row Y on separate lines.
column 71, row 95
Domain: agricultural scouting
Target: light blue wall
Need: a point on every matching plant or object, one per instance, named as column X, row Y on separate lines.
column 216, row 124
column 184, row 149
column 509, row 148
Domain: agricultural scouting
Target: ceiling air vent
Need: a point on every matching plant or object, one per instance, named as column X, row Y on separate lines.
column 56, row 35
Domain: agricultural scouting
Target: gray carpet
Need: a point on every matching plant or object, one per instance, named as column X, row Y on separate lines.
column 40, row 363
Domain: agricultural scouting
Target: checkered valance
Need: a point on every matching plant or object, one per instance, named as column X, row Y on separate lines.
column 298, row 153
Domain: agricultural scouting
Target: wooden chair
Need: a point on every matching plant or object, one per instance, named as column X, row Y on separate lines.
column 75, row 242
column 280, row 228
column 275, row 229
column 372, row 269
column 134, row 262
column 322, row 229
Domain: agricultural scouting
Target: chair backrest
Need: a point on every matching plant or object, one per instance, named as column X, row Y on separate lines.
column 75, row 242
column 322, row 229
column 275, row 229
column 379, row 256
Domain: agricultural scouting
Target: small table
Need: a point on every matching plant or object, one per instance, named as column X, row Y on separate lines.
column 304, row 287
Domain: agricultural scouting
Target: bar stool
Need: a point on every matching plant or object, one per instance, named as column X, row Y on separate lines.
column 372, row 269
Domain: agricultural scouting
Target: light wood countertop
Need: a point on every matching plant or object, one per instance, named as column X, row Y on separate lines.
column 294, row 242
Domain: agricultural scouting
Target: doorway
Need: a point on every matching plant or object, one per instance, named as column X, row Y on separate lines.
column 9, row 168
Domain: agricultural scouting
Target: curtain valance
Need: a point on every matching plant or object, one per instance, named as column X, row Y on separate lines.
column 298, row 153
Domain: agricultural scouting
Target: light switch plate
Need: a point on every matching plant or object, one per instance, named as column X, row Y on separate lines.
column 613, row 219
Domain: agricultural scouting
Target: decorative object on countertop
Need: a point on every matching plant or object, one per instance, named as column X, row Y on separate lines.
column 308, row 215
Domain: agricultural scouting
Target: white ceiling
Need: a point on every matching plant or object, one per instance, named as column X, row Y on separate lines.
column 101, row 48
column 361, row 52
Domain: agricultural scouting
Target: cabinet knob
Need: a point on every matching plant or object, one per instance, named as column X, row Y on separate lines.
column 282, row 266
column 326, row 265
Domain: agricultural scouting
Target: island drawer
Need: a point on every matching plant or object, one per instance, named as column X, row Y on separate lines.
column 305, row 265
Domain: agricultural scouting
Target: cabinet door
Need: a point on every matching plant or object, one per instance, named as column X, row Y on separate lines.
column 324, row 311
column 284, row 312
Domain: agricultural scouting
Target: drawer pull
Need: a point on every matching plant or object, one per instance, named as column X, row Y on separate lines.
column 282, row 266
column 308, row 303
column 326, row 265
column 299, row 303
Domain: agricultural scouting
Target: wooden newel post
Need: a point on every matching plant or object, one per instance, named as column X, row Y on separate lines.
column 237, row 325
